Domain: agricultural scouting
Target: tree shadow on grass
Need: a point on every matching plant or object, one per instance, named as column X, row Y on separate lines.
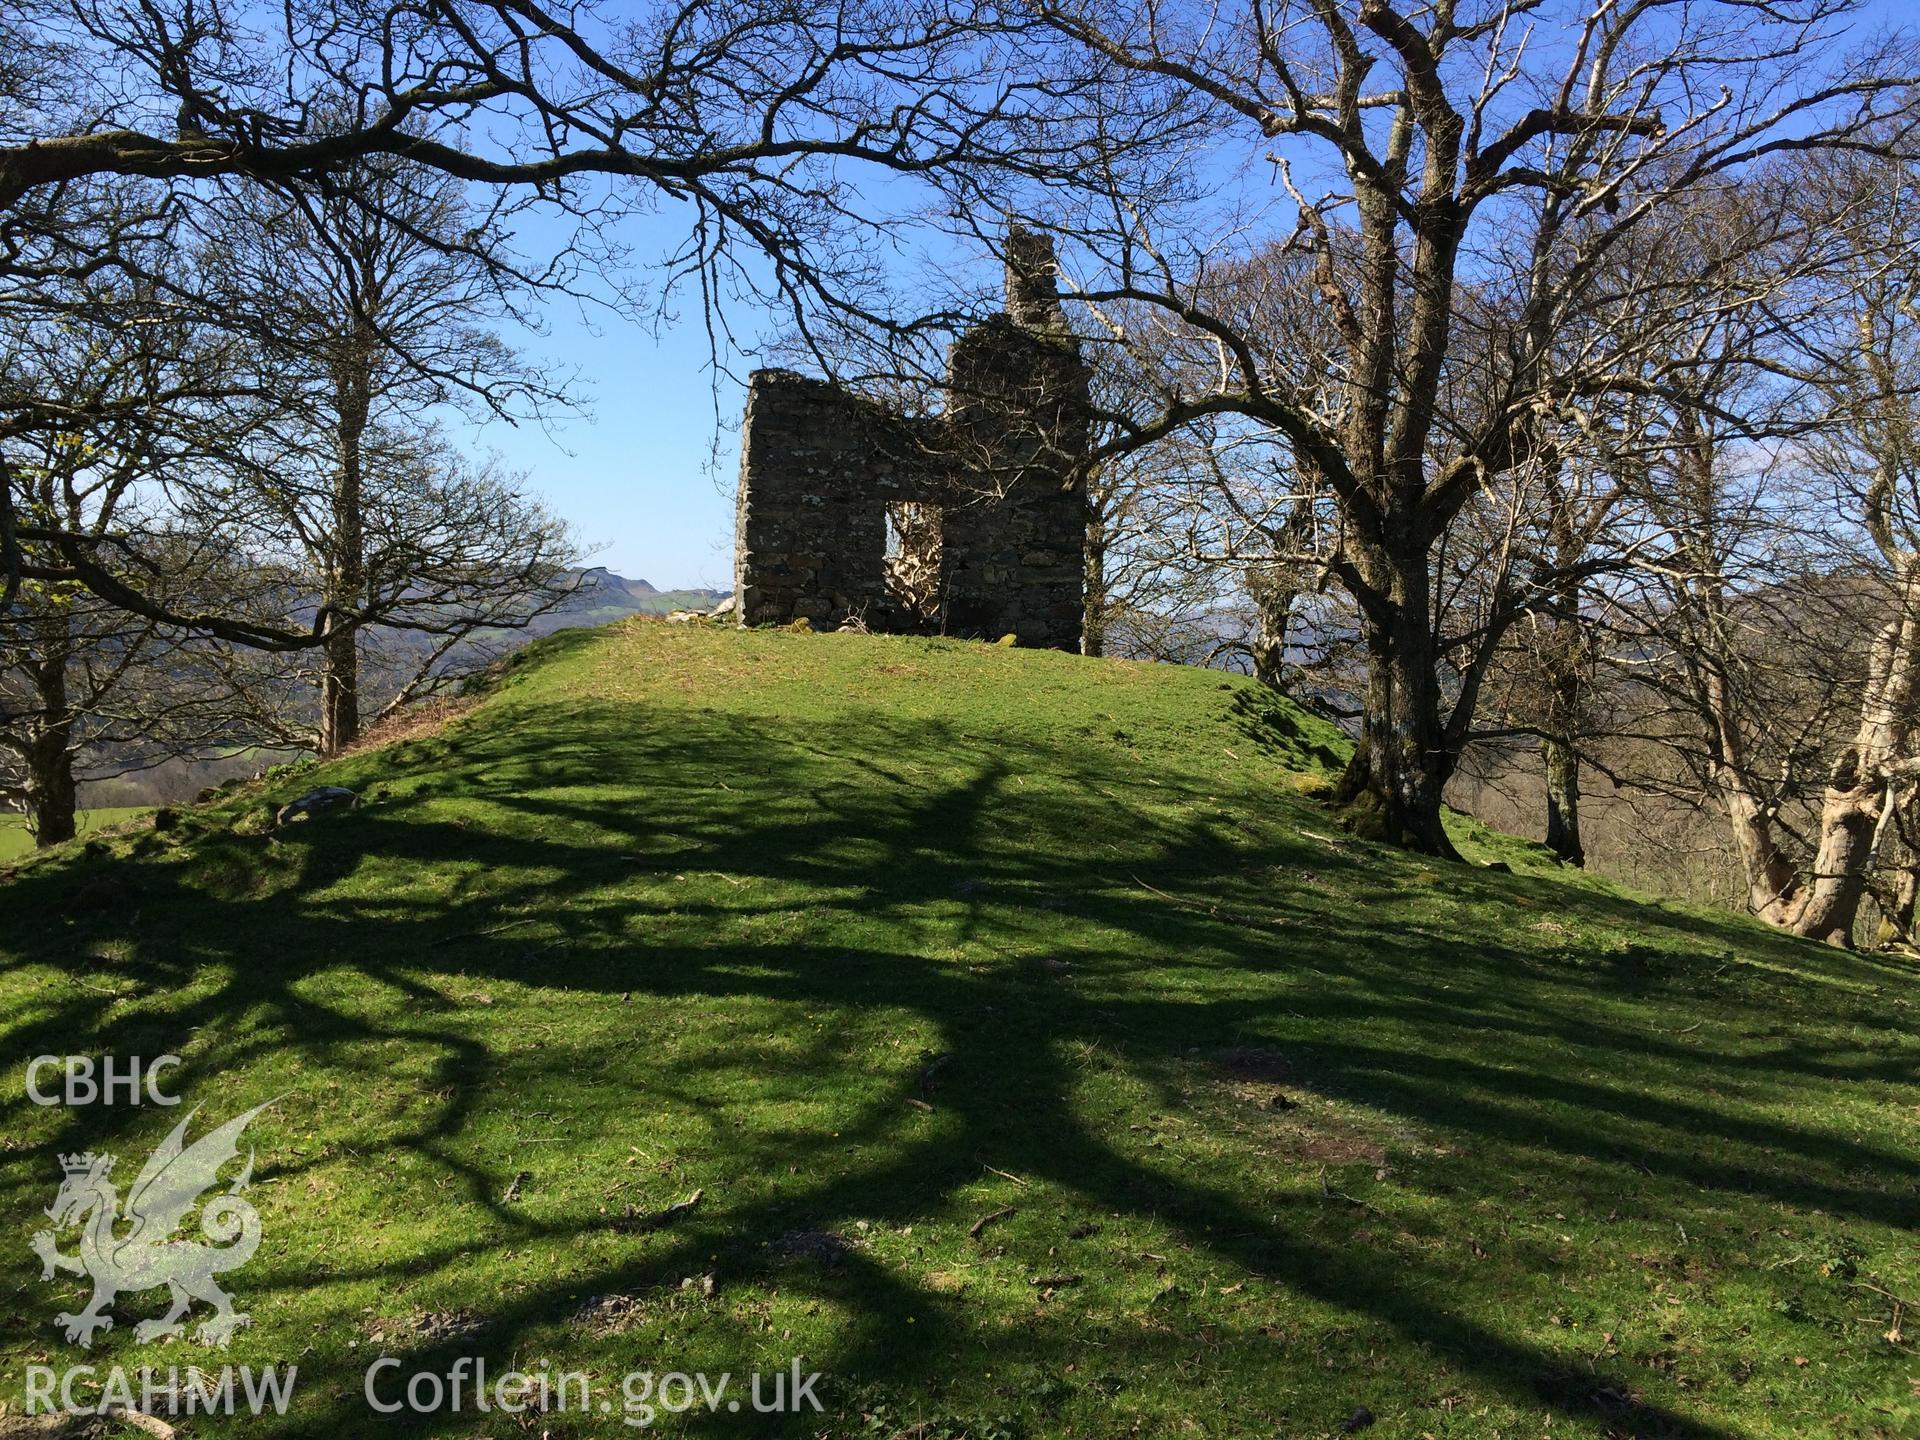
column 1017, row 905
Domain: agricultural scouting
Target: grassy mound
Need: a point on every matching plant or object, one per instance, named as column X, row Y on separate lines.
column 1044, row 1061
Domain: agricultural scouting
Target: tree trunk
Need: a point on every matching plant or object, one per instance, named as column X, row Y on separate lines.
column 340, row 655
column 1849, row 825
column 1566, row 655
column 339, row 692
column 1896, row 923
column 1402, row 763
column 1855, row 805
column 1273, row 601
column 51, row 793
column 1903, row 885
column 1093, row 633
column 1772, row 882
column 1563, row 800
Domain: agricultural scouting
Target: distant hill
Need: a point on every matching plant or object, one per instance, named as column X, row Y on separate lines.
column 604, row 597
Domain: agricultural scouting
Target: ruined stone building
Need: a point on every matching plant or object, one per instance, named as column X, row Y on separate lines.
column 968, row 523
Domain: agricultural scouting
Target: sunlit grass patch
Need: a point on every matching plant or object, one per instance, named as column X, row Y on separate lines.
column 1044, row 1061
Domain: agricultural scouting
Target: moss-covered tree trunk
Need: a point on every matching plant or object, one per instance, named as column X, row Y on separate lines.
column 1562, row 763
column 1093, row 632
column 51, row 794
column 347, row 545
column 1403, row 761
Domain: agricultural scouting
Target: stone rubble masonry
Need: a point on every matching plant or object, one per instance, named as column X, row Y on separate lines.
column 819, row 465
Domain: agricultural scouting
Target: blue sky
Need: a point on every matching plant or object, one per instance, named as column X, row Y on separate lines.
column 646, row 474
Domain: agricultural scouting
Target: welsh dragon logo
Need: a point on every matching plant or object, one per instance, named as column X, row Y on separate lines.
column 147, row 1255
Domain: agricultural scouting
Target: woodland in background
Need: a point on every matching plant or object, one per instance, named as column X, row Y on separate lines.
column 1708, row 687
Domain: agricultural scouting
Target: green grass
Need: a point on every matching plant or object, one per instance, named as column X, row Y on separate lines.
column 868, row 939
column 16, row 840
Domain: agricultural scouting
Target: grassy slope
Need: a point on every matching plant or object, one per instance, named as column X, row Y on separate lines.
column 680, row 908
column 16, row 840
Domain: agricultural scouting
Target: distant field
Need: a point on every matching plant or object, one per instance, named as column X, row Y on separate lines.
column 16, row 840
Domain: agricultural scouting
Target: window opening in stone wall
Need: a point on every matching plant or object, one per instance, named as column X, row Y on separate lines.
column 913, row 558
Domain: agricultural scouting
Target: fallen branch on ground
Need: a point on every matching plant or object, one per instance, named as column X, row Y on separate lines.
column 973, row 1230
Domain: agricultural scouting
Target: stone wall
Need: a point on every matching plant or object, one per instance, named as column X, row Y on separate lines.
column 819, row 466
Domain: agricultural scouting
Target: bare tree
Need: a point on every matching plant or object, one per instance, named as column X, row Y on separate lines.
column 454, row 561
column 753, row 120
column 1151, row 585
column 1868, row 453
column 369, row 302
column 1500, row 154
column 1572, row 531
column 1734, row 649
column 1773, row 635
column 1212, row 527
column 1142, row 578
column 85, row 685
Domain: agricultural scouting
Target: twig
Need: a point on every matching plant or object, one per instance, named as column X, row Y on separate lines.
column 1197, row 906
column 659, row 1217
column 973, row 1230
column 495, row 930
column 1333, row 1194
column 1161, row 893
column 1900, row 1299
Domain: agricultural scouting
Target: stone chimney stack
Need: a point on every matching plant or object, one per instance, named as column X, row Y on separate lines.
column 1033, row 279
